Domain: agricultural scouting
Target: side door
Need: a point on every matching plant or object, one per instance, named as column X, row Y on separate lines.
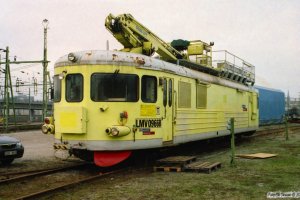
column 253, row 114
column 167, row 111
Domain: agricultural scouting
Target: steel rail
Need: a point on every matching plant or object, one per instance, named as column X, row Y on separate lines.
column 271, row 130
column 68, row 185
column 33, row 171
column 38, row 173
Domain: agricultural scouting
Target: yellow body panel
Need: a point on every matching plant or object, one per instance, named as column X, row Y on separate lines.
column 71, row 120
column 88, row 120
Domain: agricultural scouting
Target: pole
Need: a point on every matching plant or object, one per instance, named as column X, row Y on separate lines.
column 6, row 92
column 12, row 93
column 5, row 107
column 8, row 95
column 288, row 101
column 2, row 94
column 45, row 63
column 7, row 111
column 286, row 128
column 29, row 106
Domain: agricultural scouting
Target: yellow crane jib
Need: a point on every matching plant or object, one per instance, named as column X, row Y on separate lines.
column 136, row 38
column 196, row 55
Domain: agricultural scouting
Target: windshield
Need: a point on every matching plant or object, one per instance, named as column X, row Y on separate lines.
column 114, row 87
column 74, row 87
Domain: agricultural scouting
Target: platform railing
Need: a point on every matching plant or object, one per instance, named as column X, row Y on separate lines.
column 233, row 67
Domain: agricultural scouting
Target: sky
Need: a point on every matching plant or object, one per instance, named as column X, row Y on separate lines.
column 266, row 33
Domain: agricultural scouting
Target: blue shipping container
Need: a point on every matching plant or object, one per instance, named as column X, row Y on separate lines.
column 271, row 105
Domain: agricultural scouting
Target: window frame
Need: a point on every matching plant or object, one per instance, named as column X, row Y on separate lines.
column 165, row 92
column 60, row 88
column 142, row 87
column 137, row 89
column 82, row 88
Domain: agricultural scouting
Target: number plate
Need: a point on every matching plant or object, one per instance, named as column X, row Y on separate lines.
column 10, row 153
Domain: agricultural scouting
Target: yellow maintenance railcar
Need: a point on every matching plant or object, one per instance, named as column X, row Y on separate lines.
column 110, row 103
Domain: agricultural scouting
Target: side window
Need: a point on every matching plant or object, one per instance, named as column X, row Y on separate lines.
column 170, row 92
column 57, row 89
column 165, row 92
column 149, row 89
column 74, row 87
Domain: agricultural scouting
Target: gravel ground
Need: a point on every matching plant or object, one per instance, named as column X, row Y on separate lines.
column 38, row 154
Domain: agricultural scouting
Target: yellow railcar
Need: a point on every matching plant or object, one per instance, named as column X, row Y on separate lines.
column 109, row 103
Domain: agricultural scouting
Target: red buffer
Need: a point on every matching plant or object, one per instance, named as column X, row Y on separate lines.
column 110, row 158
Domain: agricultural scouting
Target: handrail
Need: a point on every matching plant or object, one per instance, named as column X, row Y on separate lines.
column 229, row 62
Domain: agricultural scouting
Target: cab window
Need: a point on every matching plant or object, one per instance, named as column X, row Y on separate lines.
column 74, row 87
column 114, row 87
column 57, row 89
column 149, row 89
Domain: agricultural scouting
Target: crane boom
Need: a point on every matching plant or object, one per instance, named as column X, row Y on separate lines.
column 135, row 37
column 196, row 55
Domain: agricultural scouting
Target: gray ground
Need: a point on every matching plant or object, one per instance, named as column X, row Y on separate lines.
column 39, row 152
column 37, row 145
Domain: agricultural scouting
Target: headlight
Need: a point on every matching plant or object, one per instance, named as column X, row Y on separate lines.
column 114, row 131
column 45, row 129
column 48, row 128
column 19, row 144
column 117, row 131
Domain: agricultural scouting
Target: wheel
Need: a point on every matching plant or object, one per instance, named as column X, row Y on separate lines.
column 7, row 162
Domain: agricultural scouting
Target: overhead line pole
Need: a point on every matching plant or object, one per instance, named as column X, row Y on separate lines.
column 8, row 78
column 11, row 90
column 8, row 95
column 45, row 72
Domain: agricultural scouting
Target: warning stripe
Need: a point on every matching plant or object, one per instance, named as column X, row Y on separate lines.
column 60, row 146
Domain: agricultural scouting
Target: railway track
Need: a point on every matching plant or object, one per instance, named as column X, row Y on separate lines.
column 34, row 184
column 212, row 147
column 67, row 185
column 277, row 129
column 7, row 178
